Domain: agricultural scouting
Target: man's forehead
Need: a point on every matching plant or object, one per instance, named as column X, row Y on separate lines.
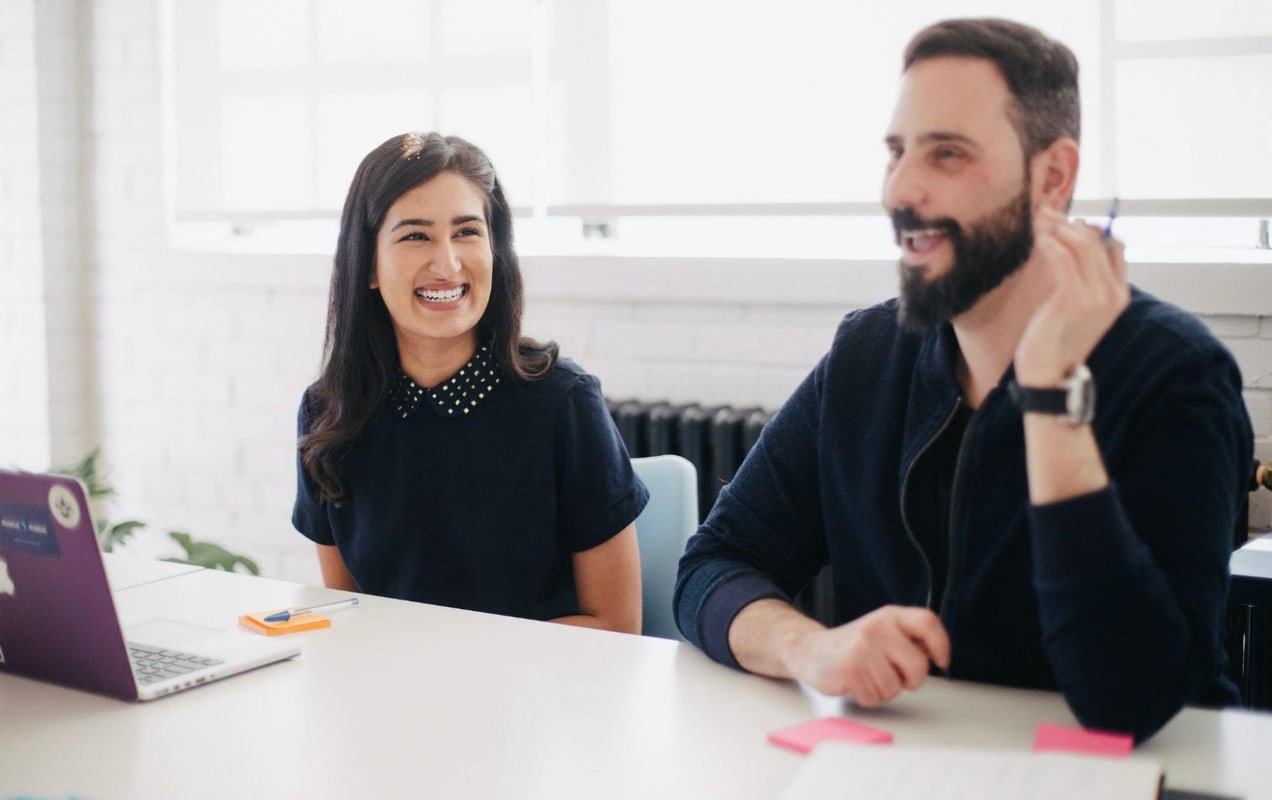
column 951, row 95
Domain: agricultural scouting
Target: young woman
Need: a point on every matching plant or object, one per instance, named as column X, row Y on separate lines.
column 443, row 457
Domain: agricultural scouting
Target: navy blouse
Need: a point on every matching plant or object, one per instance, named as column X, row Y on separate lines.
column 475, row 493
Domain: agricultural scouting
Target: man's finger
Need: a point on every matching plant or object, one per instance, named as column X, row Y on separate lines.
column 911, row 663
column 926, row 630
column 883, row 676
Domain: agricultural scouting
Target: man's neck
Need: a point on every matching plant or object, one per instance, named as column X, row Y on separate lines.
column 988, row 332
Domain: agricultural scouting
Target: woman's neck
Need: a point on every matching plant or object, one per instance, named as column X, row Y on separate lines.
column 430, row 362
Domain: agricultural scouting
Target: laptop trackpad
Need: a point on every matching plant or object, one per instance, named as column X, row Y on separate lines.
column 169, row 634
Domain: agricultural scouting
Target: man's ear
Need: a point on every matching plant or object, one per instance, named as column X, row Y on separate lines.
column 1054, row 172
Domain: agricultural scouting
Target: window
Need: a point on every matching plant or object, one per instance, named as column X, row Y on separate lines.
column 651, row 111
column 275, row 103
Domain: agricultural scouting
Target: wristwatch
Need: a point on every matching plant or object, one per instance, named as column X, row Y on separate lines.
column 1073, row 401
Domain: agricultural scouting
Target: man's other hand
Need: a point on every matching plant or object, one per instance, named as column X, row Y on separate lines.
column 873, row 657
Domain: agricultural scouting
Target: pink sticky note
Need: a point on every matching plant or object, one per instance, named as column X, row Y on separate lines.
column 805, row 736
column 1078, row 740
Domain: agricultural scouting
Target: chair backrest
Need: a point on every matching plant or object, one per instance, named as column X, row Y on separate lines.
column 669, row 519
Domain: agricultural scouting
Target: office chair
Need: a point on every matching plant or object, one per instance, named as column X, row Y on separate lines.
column 669, row 519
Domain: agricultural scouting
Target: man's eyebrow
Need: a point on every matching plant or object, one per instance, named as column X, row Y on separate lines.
column 947, row 136
column 896, row 140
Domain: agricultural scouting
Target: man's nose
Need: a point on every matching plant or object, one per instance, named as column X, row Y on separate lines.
column 903, row 185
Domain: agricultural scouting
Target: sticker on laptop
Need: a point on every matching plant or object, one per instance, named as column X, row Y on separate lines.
column 64, row 507
column 30, row 529
column 6, row 583
column 6, row 587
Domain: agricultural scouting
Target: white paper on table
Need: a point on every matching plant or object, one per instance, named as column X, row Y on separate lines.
column 844, row 770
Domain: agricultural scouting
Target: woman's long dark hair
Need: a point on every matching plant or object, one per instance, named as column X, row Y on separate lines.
column 360, row 355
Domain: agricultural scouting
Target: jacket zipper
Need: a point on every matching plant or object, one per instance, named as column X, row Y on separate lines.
column 905, row 486
column 954, row 495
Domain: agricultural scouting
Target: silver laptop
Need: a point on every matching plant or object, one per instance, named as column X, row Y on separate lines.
column 57, row 616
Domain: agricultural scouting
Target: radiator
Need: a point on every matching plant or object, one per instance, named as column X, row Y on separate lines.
column 714, row 438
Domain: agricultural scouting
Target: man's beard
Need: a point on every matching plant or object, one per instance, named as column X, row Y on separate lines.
column 984, row 255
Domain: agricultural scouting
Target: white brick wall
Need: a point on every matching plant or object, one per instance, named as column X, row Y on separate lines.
column 24, row 394
column 67, row 273
column 186, row 368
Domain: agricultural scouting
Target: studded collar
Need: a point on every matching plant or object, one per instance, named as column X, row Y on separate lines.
column 456, row 396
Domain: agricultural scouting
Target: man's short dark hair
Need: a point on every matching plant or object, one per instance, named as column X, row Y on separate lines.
column 1041, row 73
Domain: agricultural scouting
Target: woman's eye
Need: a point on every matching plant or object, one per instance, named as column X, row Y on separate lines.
column 468, row 232
column 415, row 236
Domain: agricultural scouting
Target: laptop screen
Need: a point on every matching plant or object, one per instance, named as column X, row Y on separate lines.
column 57, row 615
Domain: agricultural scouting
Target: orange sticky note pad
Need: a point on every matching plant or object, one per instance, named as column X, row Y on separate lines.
column 806, row 735
column 304, row 622
column 1079, row 740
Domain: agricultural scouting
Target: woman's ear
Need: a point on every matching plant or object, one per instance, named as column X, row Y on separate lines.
column 375, row 280
column 1054, row 172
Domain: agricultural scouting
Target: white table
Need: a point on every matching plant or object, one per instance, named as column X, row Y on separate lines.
column 124, row 572
column 407, row 700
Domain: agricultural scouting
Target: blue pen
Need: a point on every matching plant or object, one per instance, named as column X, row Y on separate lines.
column 1108, row 227
column 283, row 616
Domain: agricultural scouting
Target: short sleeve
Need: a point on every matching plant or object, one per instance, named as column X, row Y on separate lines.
column 309, row 516
column 598, row 494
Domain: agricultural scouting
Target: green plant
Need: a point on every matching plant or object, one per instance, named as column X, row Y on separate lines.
column 111, row 535
column 208, row 554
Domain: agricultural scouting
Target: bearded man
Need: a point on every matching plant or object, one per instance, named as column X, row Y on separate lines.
column 982, row 513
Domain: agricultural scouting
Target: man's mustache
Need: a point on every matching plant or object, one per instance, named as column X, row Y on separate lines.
column 905, row 219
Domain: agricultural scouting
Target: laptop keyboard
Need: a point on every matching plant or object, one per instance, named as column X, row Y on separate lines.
column 152, row 664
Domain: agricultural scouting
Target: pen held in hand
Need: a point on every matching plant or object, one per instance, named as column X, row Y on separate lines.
column 283, row 616
column 1108, row 226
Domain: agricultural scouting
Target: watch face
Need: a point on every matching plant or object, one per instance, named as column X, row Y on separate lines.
column 1081, row 396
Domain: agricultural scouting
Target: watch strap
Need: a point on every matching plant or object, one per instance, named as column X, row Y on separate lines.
column 1044, row 401
column 1072, row 401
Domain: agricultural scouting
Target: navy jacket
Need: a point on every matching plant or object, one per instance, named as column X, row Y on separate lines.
column 1116, row 598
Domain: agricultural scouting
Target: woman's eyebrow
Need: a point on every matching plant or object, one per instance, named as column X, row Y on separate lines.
column 424, row 223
